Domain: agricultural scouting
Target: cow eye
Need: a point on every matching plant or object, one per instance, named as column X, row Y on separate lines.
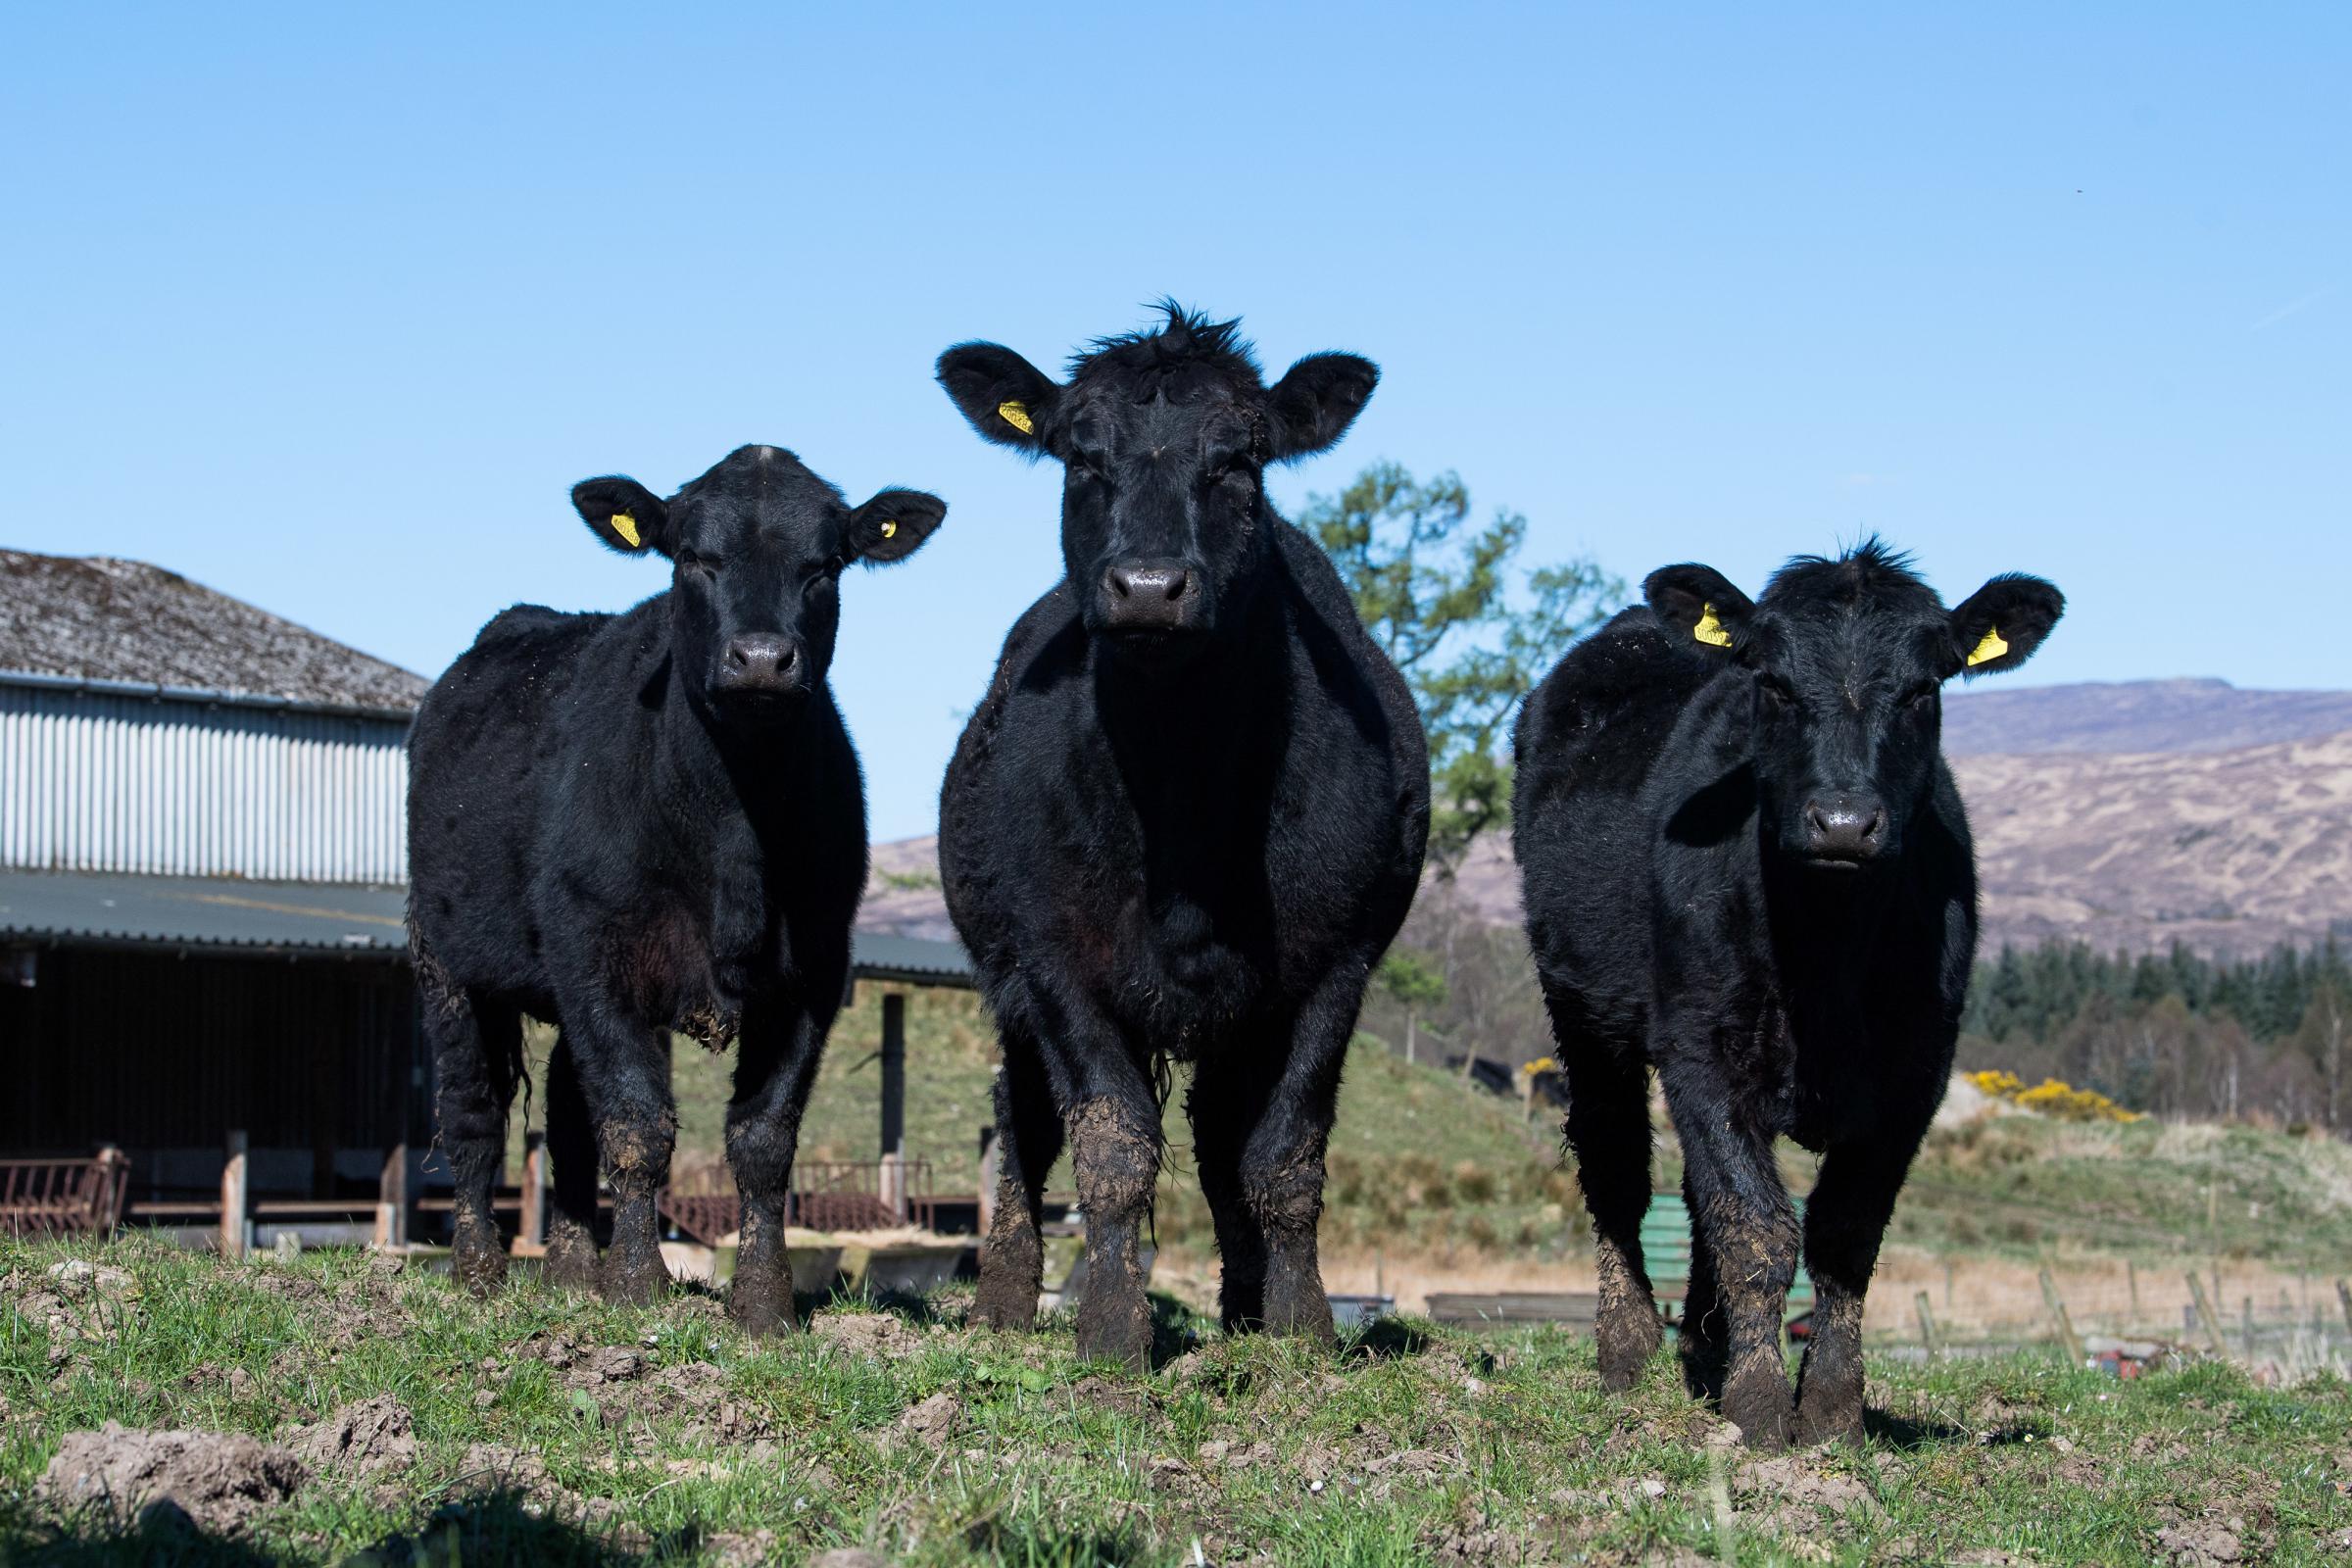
column 694, row 561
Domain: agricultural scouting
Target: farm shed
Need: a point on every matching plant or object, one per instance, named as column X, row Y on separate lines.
column 203, row 950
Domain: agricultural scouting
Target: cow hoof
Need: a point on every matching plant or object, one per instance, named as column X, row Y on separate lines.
column 633, row 1283
column 1006, row 1301
column 479, row 1273
column 1828, row 1421
column 760, row 1301
column 1625, row 1342
column 1760, row 1406
column 1116, row 1334
column 571, row 1263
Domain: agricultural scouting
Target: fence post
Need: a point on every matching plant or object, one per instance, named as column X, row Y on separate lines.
column 234, row 1235
column 1927, row 1329
column 2132, row 1278
column 2206, row 1319
column 2343, row 1293
column 892, row 1185
column 2067, row 1337
column 2249, row 1323
column 392, row 1199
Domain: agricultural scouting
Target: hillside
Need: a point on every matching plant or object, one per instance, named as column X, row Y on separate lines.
column 2136, row 717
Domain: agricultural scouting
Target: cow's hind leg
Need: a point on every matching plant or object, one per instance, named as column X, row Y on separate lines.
column 1608, row 1131
column 477, row 1052
column 572, row 1155
column 1846, row 1219
column 1703, row 1337
column 1029, row 1139
column 624, row 1074
column 1261, row 1119
column 775, row 1064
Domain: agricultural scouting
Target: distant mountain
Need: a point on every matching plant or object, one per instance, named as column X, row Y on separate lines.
column 2130, row 815
column 2139, row 715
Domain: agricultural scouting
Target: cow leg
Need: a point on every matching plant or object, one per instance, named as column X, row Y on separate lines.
column 1742, row 1216
column 777, row 1062
column 624, row 1074
column 1029, row 1139
column 476, row 1045
column 1705, row 1344
column 1608, row 1132
column 1261, row 1124
column 1846, row 1219
column 571, row 1158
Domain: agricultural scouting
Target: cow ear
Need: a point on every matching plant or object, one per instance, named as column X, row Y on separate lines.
column 1007, row 400
column 1699, row 609
column 1315, row 402
column 893, row 524
column 623, row 513
column 1997, row 628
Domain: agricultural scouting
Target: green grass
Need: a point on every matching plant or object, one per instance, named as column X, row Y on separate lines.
column 1413, row 1447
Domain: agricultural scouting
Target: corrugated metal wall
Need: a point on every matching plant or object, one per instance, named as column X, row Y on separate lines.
column 100, row 781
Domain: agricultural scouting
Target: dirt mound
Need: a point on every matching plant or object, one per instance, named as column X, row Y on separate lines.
column 876, row 1335
column 217, row 1481
column 359, row 1438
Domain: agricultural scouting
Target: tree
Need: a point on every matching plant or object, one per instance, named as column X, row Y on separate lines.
column 1437, row 593
column 1416, row 985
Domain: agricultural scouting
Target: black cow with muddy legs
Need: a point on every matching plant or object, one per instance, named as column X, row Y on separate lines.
column 1184, row 822
column 1744, row 863
column 628, row 824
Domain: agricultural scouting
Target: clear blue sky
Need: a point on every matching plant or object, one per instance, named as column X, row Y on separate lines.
column 327, row 307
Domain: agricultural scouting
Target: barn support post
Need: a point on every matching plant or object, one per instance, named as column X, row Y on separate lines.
column 237, row 1231
column 530, row 1229
column 894, row 1074
column 988, row 1179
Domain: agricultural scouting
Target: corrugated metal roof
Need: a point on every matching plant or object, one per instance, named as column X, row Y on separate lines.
column 216, row 912
column 96, row 617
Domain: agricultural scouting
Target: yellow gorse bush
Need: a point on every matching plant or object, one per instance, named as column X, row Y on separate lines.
column 2051, row 1097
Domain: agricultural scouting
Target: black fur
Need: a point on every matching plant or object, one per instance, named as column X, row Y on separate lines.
column 1181, row 831
column 1747, row 866
column 628, row 824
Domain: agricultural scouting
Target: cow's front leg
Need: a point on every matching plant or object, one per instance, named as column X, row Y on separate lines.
column 623, row 1068
column 775, row 1064
column 1846, row 1221
column 1740, row 1213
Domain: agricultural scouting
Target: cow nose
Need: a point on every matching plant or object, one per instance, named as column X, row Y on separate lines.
column 1147, row 594
column 1844, row 828
column 759, row 662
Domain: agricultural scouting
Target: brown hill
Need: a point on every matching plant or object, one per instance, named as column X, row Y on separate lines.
column 2227, row 852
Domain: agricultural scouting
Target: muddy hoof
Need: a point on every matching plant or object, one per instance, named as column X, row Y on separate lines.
column 1306, row 1318
column 477, row 1261
column 1122, row 1334
column 1827, row 1421
column 1761, row 1405
column 571, row 1263
column 633, row 1282
column 1006, row 1301
column 1625, row 1343
column 761, row 1303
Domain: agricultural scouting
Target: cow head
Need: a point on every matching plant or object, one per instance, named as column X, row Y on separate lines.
column 1164, row 437
column 757, row 546
column 1847, row 659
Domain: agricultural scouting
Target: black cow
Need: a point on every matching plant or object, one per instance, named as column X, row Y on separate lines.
column 1745, row 863
column 1184, row 820
column 628, row 824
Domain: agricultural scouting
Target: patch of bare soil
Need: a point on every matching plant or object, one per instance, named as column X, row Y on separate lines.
column 930, row 1423
column 217, row 1481
column 358, row 1439
column 1793, row 1493
column 78, row 1306
column 875, row 1336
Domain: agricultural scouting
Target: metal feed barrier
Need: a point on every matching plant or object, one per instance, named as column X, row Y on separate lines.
column 48, row 1197
column 828, row 1194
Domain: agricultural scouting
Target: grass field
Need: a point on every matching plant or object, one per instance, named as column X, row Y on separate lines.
column 543, row 1428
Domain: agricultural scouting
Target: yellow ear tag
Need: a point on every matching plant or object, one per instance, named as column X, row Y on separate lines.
column 1709, row 630
column 626, row 526
column 1016, row 414
column 890, row 527
column 1991, row 648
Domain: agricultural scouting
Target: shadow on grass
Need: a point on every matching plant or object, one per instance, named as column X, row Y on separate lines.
column 1902, row 1431
column 1020, row 1546
column 1386, row 1339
